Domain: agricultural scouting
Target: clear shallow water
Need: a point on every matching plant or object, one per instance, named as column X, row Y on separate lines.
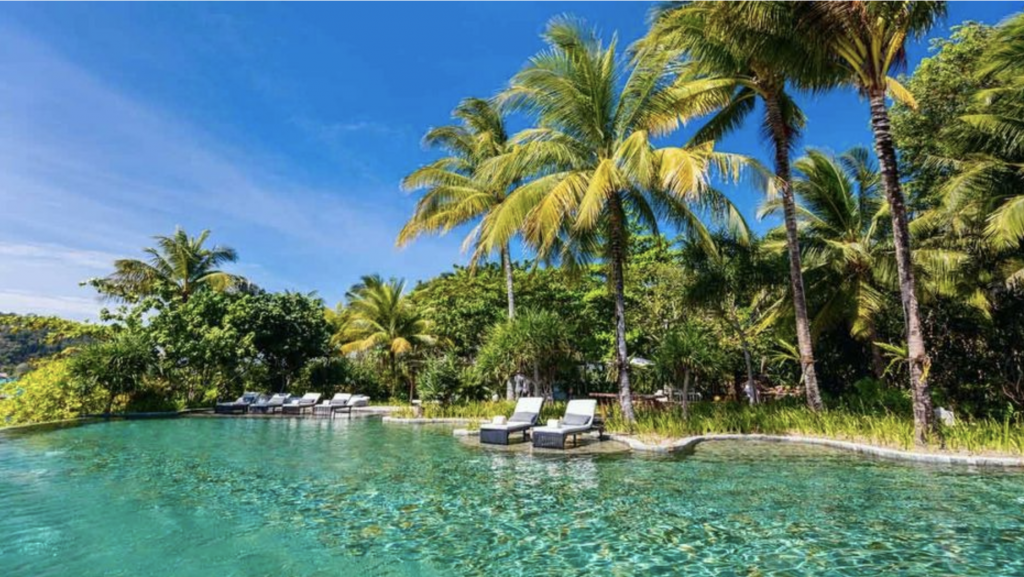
column 356, row 497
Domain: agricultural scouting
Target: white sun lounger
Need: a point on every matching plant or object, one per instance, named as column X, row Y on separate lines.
column 269, row 406
column 525, row 416
column 579, row 418
column 344, row 403
column 298, row 406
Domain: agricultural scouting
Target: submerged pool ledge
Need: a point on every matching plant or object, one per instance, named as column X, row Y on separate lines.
column 426, row 421
column 686, row 444
column 689, row 443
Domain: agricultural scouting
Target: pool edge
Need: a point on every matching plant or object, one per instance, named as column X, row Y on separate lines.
column 690, row 443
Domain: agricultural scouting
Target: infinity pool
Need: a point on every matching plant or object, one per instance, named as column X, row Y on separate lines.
column 358, row 497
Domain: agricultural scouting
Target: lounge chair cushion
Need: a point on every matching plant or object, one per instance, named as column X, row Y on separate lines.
column 510, row 426
column 573, row 420
column 523, row 417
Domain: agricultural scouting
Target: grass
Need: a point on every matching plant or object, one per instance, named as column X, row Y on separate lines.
column 478, row 411
column 876, row 427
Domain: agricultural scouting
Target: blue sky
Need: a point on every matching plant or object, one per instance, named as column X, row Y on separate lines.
column 284, row 128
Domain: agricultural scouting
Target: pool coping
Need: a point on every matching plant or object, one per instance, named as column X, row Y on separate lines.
column 686, row 444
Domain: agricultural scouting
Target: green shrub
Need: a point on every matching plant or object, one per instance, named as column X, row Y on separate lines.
column 119, row 367
column 478, row 410
column 440, row 380
column 47, row 393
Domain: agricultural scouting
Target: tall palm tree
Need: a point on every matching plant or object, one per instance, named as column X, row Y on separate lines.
column 178, row 266
column 381, row 316
column 840, row 209
column 868, row 40
column 456, row 191
column 740, row 53
column 598, row 168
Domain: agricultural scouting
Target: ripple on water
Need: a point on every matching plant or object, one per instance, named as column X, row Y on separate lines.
column 356, row 497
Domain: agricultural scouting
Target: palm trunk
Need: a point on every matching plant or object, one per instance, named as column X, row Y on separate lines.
column 745, row 346
column 538, row 389
column 917, row 356
column 780, row 138
column 877, row 363
column 506, row 263
column 616, row 265
column 686, row 393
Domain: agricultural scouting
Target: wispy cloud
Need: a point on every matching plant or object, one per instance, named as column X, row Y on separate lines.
column 62, row 306
column 61, row 255
column 331, row 131
column 88, row 171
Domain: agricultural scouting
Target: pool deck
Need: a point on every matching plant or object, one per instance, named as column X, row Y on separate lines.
column 689, row 444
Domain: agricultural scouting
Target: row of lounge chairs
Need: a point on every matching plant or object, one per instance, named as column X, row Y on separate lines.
column 579, row 418
column 289, row 405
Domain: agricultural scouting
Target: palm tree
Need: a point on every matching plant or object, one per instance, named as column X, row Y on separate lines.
column 456, row 192
column 741, row 53
column 597, row 167
column 840, row 209
column 986, row 187
column 177, row 267
column 868, row 40
column 381, row 316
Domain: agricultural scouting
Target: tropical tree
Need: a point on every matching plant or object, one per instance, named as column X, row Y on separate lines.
column 868, row 40
column 598, row 167
column 116, row 367
column 738, row 284
column 178, row 266
column 382, row 317
column 990, row 170
column 740, row 53
column 685, row 353
column 840, row 208
column 535, row 342
column 456, row 191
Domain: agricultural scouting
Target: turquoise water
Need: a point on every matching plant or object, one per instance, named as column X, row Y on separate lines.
column 357, row 497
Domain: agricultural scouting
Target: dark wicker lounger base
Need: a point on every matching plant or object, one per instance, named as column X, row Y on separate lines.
column 556, row 440
column 265, row 410
column 499, row 436
column 553, row 440
column 230, row 408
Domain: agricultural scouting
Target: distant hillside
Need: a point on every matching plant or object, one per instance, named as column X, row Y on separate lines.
column 25, row 338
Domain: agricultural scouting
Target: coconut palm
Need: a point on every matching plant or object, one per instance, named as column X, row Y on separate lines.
column 986, row 187
column 868, row 40
column 381, row 316
column 840, row 208
column 597, row 167
column 178, row 266
column 456, row 192
column 740, row 53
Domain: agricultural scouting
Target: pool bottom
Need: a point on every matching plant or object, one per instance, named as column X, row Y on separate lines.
column 354, row 497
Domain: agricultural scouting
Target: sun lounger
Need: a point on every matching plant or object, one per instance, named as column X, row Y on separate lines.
column 579, row 418
column 297, row 406
column 271, row 405
column 241, row 405
column 343, row 403
column 525, row 416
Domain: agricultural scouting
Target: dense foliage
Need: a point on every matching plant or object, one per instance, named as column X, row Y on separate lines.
column 877, row 301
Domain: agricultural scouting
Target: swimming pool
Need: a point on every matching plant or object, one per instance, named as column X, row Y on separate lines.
column 236, row 496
